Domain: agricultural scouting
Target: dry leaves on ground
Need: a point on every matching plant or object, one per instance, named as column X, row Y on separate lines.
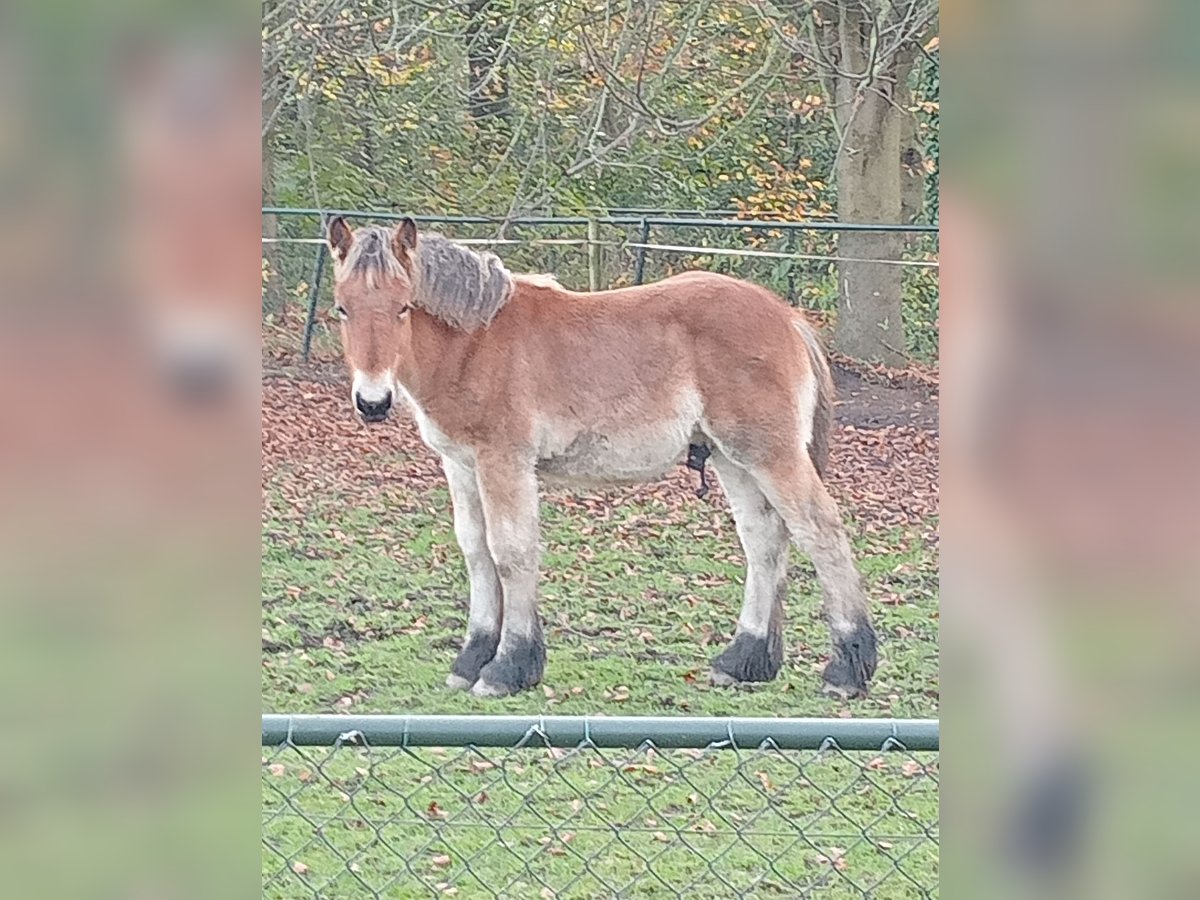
column 313, row 446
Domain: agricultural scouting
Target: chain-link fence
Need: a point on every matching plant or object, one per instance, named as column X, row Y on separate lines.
column 558, row 807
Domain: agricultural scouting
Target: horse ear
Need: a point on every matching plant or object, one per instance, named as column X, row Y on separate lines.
column 340, row 238
column 405, row 239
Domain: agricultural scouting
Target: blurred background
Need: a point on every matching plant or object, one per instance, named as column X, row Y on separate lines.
column 1069, row 347
column 131, row 140
column 129, row 372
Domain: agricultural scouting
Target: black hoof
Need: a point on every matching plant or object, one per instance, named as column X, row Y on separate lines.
column 518, row 667
column 749, row 658
column 1048, row 818
column 476, row 653
column 852, row 663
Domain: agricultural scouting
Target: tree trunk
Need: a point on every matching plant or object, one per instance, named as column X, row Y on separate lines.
column 273, row 295
column 869, row 324
column 912, row 160
column 487, row 83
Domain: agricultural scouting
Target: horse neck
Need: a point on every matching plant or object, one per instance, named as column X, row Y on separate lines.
column 436, row 349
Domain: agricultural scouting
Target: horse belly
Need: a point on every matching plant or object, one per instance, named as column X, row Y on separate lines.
column 617, row 455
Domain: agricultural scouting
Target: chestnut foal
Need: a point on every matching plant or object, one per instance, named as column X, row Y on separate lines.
column 513, row 377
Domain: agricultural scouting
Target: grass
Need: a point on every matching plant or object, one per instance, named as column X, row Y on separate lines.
column 364, row 607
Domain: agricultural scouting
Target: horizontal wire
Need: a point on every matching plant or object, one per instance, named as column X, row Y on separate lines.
column 669, row 248
column 772, row 254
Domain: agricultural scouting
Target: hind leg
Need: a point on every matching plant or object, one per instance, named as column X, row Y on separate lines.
column 811, row 515
column 756, row 652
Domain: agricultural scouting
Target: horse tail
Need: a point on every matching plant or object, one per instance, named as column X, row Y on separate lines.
column 822, row 421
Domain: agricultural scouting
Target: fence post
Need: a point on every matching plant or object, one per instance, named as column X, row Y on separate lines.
column 639, row 265
column 593, row 240
column 791, row 270
column 314, row 293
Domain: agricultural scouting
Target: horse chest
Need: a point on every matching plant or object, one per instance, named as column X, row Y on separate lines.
column 434, row 436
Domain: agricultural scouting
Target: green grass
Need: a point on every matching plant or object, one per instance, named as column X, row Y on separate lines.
column 363, row 608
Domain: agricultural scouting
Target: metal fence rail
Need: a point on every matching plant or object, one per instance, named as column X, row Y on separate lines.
column 591, row 807
column 650, row 219
column 602, row 250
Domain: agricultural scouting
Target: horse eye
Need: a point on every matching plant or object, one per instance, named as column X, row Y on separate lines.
column 404, row 311
column 340, row 312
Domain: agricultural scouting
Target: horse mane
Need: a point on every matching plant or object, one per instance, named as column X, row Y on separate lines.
column 370, row 257
column 463, row 288
column 458, row 285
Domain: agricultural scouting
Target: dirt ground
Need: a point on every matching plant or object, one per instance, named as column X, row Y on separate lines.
column 884, row 452
column 869, row 401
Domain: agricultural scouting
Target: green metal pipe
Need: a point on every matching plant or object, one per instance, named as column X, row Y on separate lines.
column 607, row 220
column 395, row 216
column 603, row 731
column 314, row 294
column 639, row 265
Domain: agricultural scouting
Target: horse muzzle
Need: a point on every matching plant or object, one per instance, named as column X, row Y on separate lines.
column 373, row 410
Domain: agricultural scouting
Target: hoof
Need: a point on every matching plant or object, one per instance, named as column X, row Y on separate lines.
column 516, row 667
column 852, row 662
column 484, row 689
column 1049, row 811
column 749, row 659
column 721, row 679
column 476, row 653
column 457, row 683
column 724, row 679
column 840, row 692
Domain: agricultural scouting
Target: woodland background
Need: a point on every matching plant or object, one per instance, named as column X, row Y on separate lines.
column 510, row 108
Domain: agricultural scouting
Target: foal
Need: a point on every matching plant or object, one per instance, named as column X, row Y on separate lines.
column 512, row 377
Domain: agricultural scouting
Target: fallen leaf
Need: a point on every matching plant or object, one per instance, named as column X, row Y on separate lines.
column 836, row 858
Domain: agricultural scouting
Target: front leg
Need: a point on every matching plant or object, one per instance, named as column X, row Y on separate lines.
column 508, row 490
column 483, row 620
